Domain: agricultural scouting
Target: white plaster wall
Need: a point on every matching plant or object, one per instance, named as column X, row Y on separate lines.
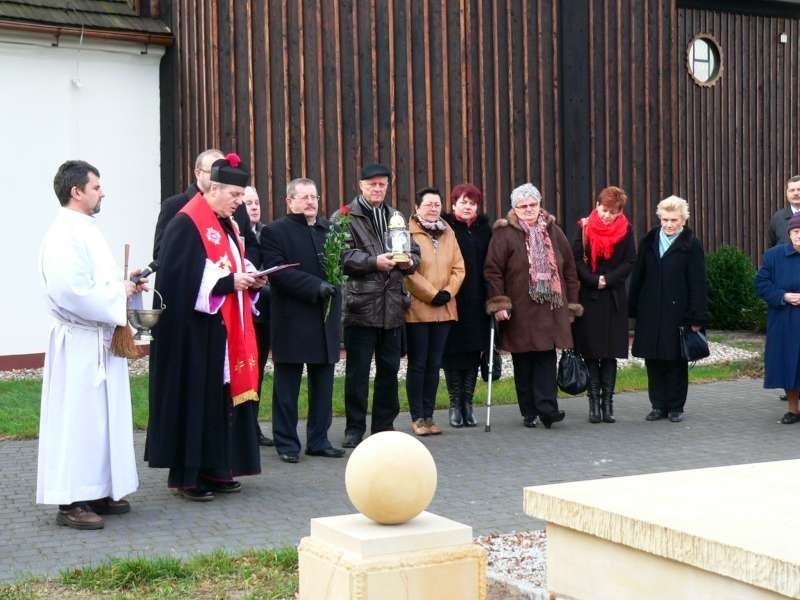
column 98, row 103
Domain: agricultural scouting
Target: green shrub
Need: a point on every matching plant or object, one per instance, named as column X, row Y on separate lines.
column 732, row 298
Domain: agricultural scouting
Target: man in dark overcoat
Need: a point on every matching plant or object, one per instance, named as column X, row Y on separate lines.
column 305, row 315
column 778, row 224
column 172, row 205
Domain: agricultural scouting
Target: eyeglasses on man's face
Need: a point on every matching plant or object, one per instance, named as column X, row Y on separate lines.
column 308, row 197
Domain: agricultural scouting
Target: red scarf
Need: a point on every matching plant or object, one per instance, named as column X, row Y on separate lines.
column 601, row 238
column 242, row 351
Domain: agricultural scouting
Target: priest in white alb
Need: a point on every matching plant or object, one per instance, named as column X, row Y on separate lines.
column 86, row 456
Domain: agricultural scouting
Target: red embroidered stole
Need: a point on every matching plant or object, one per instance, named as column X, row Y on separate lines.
column 238, row 321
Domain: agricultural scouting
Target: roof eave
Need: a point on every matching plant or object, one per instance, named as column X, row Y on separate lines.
column 141, row 37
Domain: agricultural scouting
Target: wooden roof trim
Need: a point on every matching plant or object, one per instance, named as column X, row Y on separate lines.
column 141, row 37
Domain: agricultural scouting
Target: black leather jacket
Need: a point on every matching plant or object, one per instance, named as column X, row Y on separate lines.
column 373, row 298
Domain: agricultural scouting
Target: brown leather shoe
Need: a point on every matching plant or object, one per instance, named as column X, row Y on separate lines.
column 107, row 506
column 433, row 428
column 79, row 516
column 419, row 427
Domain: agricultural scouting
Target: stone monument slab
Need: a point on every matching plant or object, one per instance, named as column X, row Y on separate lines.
column 724, row 532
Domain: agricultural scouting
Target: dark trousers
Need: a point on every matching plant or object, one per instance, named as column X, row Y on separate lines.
column 426, row 343
column 236, row 455
column 262, row 344
column 285, row 393
column 535, row 381
column 361, row 344
column 667, row 383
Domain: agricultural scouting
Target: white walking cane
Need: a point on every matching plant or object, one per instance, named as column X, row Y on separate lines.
column 488, row 426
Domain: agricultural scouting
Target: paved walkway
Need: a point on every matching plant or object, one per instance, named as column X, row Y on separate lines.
column 481, row 476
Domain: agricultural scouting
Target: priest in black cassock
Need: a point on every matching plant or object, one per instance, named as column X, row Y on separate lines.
column 204, row 366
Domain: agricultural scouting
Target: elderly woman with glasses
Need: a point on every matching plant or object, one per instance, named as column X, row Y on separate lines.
column 533, row 295
column 668, row 290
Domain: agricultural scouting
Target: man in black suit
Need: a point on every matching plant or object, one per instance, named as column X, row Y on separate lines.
column 778, row 224
column 172, row 205
column 305, row 313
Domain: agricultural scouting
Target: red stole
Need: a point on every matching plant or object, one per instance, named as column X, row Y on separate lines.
column 238, row 321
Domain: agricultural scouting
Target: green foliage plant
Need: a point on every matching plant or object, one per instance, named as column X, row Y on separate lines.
column 733, row 301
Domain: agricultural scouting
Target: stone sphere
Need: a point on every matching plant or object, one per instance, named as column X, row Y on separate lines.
column 390, row 477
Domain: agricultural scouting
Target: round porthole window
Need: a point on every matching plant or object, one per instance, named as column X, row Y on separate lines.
column 704, row 59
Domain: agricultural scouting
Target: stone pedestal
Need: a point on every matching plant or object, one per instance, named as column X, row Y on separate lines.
column 428, row 558
column 727, row 532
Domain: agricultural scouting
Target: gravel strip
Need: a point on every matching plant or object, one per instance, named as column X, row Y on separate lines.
column 719, row 353
column 517, row 566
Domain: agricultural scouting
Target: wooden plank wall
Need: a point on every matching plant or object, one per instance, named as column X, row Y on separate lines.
column 632, row 103
column 737, row 141
column 443, row 91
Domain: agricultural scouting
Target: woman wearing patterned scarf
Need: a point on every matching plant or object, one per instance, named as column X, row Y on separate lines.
column 433, row 289
column 533, row 294
column 604, row 254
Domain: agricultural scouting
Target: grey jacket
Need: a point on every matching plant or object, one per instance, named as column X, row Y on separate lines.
column 373, row 298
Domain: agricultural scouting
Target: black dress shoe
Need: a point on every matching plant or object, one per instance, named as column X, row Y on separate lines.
column 222, row 487
column 329, row 452
column 655, row 415
column 289, row 458
column 675, row 416
column 789, row 418
column 351, row 440
column 529, row 421
column 197, row 494
column 548, row 420
column 264, row 440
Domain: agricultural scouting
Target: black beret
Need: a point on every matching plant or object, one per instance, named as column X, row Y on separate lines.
column 230, row 170
column 375, row 170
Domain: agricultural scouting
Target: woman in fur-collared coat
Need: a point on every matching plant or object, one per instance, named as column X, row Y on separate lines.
column 533, row 295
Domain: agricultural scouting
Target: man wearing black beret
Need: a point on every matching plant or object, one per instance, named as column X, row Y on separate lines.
column 374, row 309
column 204, row 363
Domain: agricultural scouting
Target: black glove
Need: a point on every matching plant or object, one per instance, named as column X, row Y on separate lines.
column 441, row 298
column 326, row 290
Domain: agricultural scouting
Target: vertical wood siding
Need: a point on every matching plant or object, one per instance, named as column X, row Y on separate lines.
column 631, row 103
column 446, row 91
column 736, row 139
column 443, row 91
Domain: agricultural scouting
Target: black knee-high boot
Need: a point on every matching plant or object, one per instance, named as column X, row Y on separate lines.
column 593, row 390
column 455, row 389
column 608, row 379
column 470, row 379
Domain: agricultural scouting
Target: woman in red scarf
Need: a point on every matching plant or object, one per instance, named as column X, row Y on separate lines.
column 604, row 255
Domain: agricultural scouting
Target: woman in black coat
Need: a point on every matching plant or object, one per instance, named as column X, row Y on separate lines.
column 604, row 256
column 669, row 290
column 469, row 335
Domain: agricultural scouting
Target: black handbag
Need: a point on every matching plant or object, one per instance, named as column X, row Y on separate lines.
column 497, row 365
column 694, row 345
column 573, row 374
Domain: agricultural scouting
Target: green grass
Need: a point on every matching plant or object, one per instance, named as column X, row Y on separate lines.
column 268, row 574
column 19, row 400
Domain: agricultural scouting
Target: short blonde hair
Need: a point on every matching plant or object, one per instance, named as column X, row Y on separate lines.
column 672, row 204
